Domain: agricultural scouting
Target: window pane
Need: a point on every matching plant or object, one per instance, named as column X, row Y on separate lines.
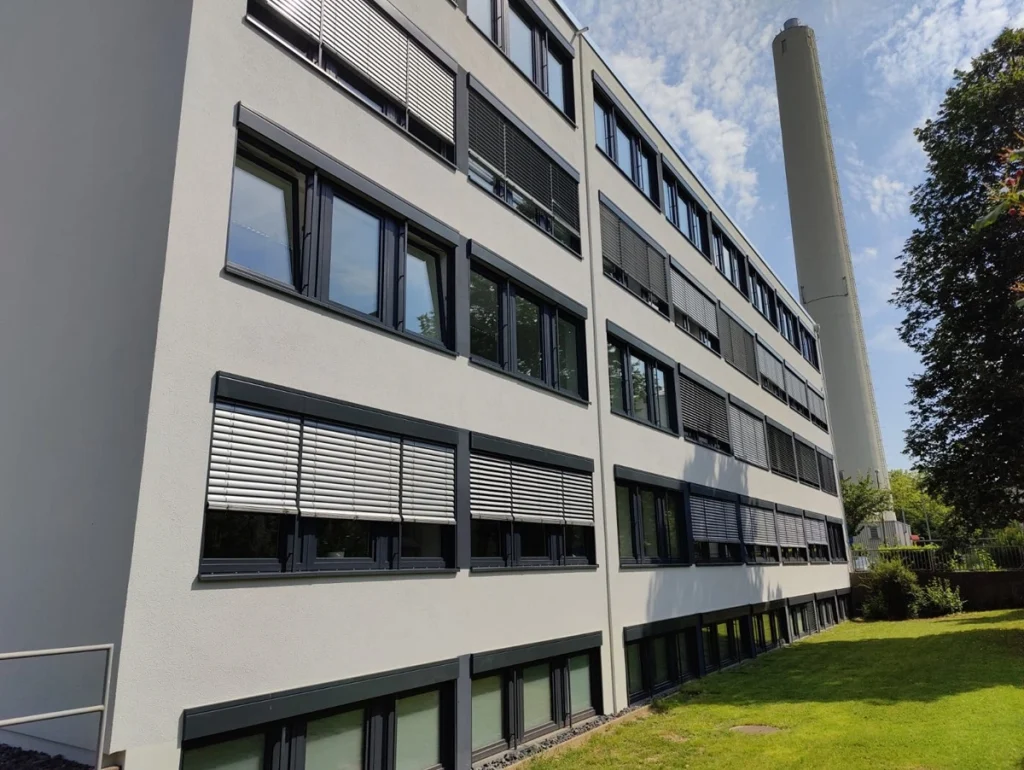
column 649, row 522
column 724, row 649
column 623, row 150
column 568, row 356
column 423, row 293
column 528, row 343
column 634, row 670
column 520, row 43
column 335, row 743
column 556, row 81
column 710, row 647
column 240, row 754
column 697, row 224
column 536, row 696
column 261, row 235
column 645, row 174
column 344, row 539
column 418, row 734
column 622, row 499
column 234, row 535
column 577, row 542
column 661, row 394
column 601, row 123
column 484, row 317
column 638, row 381
column 481, row 13
column 533, row 540
column 488, row 726
column 355, row 257
column 615, row 376
column 423, row 540
column 579, row 684
column 686, row 666
column 672, row 526
column 488, row 538
column 660, row 653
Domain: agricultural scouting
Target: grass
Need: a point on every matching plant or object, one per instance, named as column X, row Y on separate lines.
column 921, row 695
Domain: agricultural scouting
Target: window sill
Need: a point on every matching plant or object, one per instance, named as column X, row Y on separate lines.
column 629, row 179
column 628, row 290
column 795, row 563
column 539, row 385
column 523, row 75
column 340, row 86
column 784, row 474
column 840, row 561
column 737, row 289
column 646, row 424
column 633, row 565
column 820, row 561
column 537, row 568
column 526, row 219
column 221, row 577
column 247, row 275
column 722, row 564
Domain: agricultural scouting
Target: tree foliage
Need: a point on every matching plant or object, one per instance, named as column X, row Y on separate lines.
column 957, row 287
column 863, row 501
column 910, row 498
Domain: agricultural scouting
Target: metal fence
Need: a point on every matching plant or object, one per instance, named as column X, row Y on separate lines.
column 100, row 708
column 984, row 558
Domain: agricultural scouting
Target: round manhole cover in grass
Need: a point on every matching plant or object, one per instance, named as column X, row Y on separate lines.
column 754, row 729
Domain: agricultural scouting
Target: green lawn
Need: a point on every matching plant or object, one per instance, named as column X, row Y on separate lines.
column 922, row 694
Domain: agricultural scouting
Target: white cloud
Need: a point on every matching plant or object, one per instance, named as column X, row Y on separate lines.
column 887, row 197
column 865, row 256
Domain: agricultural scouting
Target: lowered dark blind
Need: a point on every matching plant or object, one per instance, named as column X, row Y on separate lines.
column 817, row 406
column 791, row 530
column 625, row 248
column 827, row 474
column 807, row 463
column 513, row 155
column 780, row 452
column 738, row 345
column 758, row 525
column 704, row 411
column 748, row 441
column 713, row 521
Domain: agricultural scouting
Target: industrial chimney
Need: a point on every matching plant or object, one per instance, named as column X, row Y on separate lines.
column 824, row 267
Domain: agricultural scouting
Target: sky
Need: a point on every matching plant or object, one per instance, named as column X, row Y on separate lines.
column 703, row 71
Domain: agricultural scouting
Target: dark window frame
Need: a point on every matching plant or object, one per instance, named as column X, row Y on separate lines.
column 628, row 352
column 511, row 557
column 763, row 297
column 713, row 660
column 696, row 435
column 818, row 553
column 729, row 261
column 683, row 210
column 646, row 689
column 761, row 554
column 836, row 540
column 788, row 325
column 809, row 348
column 794, row 554
column 637, row 534
column 643, row 160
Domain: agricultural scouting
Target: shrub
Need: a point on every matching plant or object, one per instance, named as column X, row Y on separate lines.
column 891, row 591
column 938, row 598
column 977, row 560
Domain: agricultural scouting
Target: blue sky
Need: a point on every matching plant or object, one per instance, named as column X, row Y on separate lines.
column 703, row 70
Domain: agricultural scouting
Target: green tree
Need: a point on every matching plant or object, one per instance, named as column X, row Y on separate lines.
column 958, row 290
column 863, row 501
column 910, row 498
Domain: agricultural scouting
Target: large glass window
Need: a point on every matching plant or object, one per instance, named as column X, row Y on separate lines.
column 652, row 519
column 529, row 358
column 423, row 273
column 556, row 81
column 626, row 148
column 623, row 149
column 655, row 664
column 344, row 539
column 481, row 13
column 238, row 535
column 418, row 732
column 580, row 696
column 263, row 221
column 640, row 387
column 355, row 257
column 520, row 43
column 484, row 317
column 488, row 714
column 336, row 742
column 239, row 754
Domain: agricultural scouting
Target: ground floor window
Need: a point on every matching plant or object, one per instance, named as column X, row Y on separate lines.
column 660, row 663
column 802, row 619
column 827, row 612
column 768, row 632
column 723, row 644
column 843, row 605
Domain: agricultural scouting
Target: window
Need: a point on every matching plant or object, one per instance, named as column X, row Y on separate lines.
column 760, row 541
column 762, row 296
column 641, row 387
column 767, row 631
column 683, row 211
column 809, row 348
column 545, row 343
column 749, row 442
column 511, row 166
column 796, row 390
column 772, row 371
column 781, row 454
column 531, row 47
column 527, row 515
column 817, row 539
column 695, row 312
column 418, row 727
column 729, row 262
column 843, row 604
column 716, row 531
column 816, row 405
column 704, row 414
column 792, row 538
column 721, row 645
column 658, row 664
column 353, row 499
column 409, row 86
column 837, row 540
column 738, row 344
column 518, row 704
column 826, row 613
column 807, row 464
column 633, row 261
column 788, row 325
column 624, row 145
column 364, row 253
column 652, row 529
column 803, row 620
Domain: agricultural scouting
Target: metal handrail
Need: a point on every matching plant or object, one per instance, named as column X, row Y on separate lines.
column 100, row 708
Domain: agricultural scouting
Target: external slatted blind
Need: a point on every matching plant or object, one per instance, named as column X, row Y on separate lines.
column 758, row 525
column 428, row 482
column 624, row 247
column 536, row 494
column 791, row 530
column 714, row 521
column 350, row 473
column 254, row 460
column 796, row 388
column 578, row 493
column 817, row 533
column 738, row 345
column 512, row 154
column 704, row 411
column 807, row 463
column 780, row 451
column 692, row 301
column 364, row 37
column 827, row 474
column 748, row 437
column 817, row 407
column 771, row 368
column 490, row 487
column 505, row 489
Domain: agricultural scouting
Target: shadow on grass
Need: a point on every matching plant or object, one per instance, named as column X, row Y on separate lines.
column 1008, row 616
column 874, row 671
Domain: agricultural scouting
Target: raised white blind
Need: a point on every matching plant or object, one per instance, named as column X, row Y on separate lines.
column 758, row 525
column 692, row 301
column 350, row 473
column 796, row 388
column 431, row 92
column 714, row 521
column 816, row 531
column 254, row 460
column 490, row 487
column 748, row 437
column 304, row 14
column 791, row 530
column 770, row 367
column 428, row 482
column 536, row 494
column 504, row 489
column 578, row 494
